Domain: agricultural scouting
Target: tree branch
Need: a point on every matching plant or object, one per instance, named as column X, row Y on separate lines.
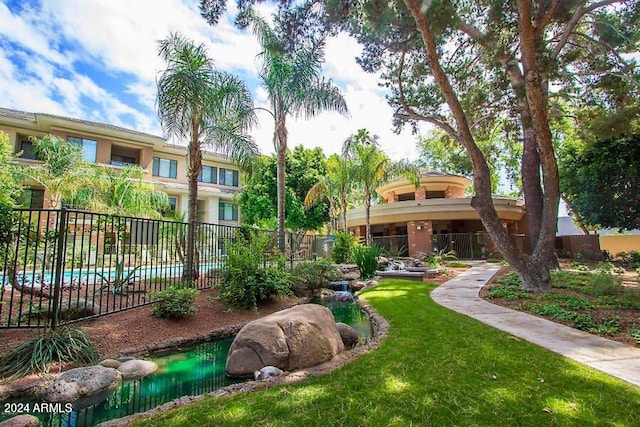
column 411, row 114
column 570, row 26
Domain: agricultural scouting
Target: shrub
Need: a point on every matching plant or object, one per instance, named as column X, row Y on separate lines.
column 437, row 259
column 457, row 264
column 508, row 293
column 366, row 258
column 174, row 302
column 36, row 354
column 511, row 279
column 604, row 283
column 250, row 278
column 315, row 275
column 342, row 248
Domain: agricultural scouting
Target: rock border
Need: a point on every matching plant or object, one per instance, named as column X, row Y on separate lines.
column 380, row 330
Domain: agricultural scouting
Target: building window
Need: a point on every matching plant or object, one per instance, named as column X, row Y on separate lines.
column 26, row 147
column 435, row 194
column 208, row 175
column 165, row 168
column 200, row 210
column 32, row 199
column 89, row 148
column 228, row 177
column 171, row 207
column 228, row 211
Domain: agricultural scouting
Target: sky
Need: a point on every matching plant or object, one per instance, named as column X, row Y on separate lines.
column 97, row 60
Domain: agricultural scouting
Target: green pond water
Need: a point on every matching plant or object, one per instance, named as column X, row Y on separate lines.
column 192, row 372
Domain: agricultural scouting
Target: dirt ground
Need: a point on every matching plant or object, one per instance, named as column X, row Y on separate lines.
column 134, row 330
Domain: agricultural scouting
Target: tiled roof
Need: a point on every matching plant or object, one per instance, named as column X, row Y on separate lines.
column 19, row 115
column 32, row 117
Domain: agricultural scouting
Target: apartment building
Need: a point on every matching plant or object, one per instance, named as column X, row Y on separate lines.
column 165, row 164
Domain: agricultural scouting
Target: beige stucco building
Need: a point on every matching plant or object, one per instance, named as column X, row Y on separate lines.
column 165, row 164
column 436, row 215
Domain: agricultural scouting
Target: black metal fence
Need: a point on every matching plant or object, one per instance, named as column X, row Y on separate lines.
column 60, row 266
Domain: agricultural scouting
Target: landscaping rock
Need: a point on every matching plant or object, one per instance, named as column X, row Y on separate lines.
column 80, row 383
column 295, row 338
column 137, row 368
column 358, row 285
column 110, row 363
column 267, row 372
column 353, row 275
column 125, row 358
column 348, row 334
column 23, row 420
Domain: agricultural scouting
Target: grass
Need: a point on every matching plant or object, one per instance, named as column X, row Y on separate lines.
column 435, row 367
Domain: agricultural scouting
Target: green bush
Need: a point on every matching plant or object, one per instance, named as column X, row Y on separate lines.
column 511, row 279
column 437, row 259
column 604, row 283
column 366, row 258
column 251, row 273
column 174, row 302
column 38, row 353
column 508, row 293
column 342, row 248
column 315, row 275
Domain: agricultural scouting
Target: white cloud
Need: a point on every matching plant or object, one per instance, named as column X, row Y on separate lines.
column 120, row 37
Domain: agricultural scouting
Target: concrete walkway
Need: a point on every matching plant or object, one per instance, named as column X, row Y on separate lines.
column 461, row 294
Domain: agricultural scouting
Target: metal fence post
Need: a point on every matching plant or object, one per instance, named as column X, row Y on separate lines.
column 60, row 255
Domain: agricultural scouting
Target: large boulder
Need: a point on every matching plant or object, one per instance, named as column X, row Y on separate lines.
column 24, row 420
column 81, row 384
column 296, row 338
column 131, row 369
column 348, row 334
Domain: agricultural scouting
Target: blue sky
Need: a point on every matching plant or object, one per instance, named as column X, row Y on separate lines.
column 97, row 60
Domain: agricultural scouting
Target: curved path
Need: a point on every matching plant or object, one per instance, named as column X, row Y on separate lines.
column 461, row 294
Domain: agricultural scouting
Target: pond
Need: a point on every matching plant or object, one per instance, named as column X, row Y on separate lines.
column 192, row 372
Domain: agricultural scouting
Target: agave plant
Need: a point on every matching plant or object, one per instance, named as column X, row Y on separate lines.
column 121, row 279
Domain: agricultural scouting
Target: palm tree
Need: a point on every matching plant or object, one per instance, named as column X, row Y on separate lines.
column 295, row 87
column 371, row 168
column 206, row 107
column 63, row 172
column 335, row 187
column 123, row 192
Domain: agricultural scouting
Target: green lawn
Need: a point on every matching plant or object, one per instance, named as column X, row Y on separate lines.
column 436, row 367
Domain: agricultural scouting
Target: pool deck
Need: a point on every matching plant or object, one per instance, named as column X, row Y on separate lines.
column 461, row 294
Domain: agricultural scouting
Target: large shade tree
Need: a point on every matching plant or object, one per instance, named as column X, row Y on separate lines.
column 205, row 107
column 459, row 65
column 601, row 182
column 258, row 199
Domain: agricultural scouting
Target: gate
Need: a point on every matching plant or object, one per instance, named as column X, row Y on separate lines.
column 465, row 245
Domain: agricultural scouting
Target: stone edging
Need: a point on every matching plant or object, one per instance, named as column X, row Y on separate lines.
column 380, row 330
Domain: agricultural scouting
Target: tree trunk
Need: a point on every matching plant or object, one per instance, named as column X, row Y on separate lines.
column 281, row 149
column 344, row 213
column 534, row 274
column 189, row 272
column 367, row 218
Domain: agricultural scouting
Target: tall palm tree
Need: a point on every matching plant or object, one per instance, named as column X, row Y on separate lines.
column 206, row 107
column 295, row 87
column 371, row 168
column 335, row 187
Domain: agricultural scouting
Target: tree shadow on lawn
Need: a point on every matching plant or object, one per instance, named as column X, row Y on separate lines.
column 436, row 367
